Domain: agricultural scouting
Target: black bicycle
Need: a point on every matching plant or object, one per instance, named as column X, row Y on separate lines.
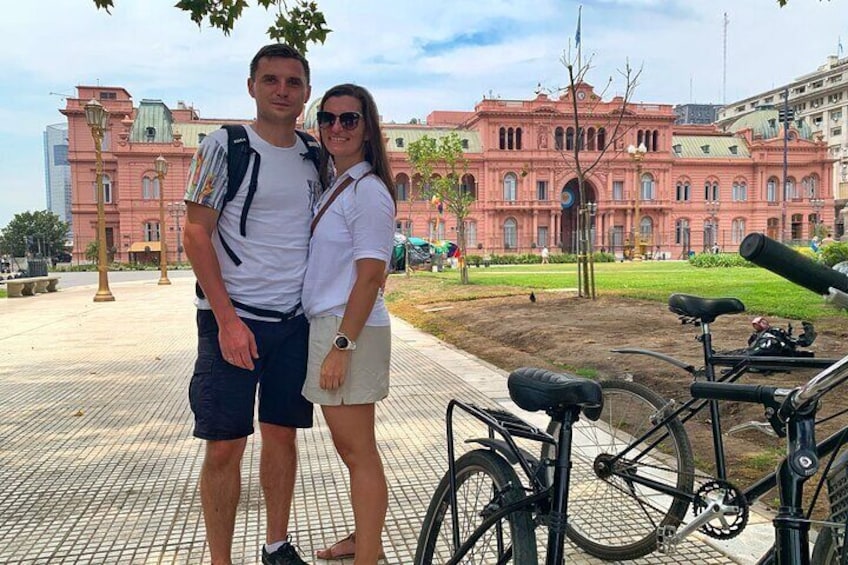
column 482, row 513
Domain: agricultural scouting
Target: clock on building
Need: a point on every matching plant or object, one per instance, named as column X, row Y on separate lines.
column 581, row 95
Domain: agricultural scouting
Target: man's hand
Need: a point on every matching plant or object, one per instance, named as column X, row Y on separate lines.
column 238, row 345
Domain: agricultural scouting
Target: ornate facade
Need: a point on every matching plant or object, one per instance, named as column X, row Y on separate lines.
column 694, row 187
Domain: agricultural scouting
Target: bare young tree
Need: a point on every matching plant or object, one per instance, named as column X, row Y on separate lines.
column 577, row 160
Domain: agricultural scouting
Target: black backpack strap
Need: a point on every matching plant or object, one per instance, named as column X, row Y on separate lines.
column 313, row 148
column 251, row 192
column 238, row 158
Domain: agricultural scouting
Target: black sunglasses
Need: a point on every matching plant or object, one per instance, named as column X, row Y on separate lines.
column 348, row 120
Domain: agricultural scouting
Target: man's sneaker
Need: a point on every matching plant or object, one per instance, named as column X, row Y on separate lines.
column 287, row 554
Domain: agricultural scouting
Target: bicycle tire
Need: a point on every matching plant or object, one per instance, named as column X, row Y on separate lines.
column 615, row 519
column 477, row 473
column 825, row 550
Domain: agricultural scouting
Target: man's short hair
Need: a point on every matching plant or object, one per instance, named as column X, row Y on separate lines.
column 279, row 50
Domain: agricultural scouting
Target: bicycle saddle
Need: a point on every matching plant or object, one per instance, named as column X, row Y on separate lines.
column 704, row 309
column 537, row 389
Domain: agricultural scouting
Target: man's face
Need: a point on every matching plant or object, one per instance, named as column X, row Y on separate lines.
column 280, row 89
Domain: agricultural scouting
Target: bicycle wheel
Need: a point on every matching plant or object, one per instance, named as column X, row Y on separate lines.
column 612, row 517
column 485, row 483
column 825, row 550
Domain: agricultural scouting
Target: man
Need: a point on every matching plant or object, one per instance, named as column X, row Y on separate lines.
column 251, row 330
column 545, row 254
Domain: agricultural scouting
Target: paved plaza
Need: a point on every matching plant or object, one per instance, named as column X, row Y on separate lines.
column 97, row 460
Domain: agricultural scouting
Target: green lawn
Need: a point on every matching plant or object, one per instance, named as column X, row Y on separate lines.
column 761, row 291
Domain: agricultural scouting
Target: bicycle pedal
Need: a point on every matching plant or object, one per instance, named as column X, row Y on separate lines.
column 666, row 543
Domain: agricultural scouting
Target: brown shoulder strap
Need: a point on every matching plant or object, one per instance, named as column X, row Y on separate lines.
column 329, row 201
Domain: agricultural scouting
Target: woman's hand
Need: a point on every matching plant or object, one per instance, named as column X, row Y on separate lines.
column 334, row 369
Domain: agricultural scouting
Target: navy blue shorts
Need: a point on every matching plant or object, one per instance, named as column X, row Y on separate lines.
column 222, row 395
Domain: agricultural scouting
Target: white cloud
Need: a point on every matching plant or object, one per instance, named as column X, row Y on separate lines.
column 400, row 50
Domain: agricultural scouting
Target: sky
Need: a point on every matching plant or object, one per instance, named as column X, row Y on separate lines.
column 414, row 56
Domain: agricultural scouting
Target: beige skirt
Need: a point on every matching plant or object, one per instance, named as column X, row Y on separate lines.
column 368, row 378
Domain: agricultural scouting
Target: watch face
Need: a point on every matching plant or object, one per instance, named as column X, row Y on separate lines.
column 342, row 342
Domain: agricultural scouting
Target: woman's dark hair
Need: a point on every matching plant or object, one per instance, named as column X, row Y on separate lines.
column 375, row 148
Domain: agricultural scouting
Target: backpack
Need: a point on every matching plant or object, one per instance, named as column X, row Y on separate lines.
column 238, row 160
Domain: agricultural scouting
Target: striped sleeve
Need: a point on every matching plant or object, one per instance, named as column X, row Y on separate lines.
column 207, row 175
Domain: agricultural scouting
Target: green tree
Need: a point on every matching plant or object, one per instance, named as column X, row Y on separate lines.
column 429, row 155
column 41, row 232
column 297, row 26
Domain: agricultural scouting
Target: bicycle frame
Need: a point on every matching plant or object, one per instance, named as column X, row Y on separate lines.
column 737, row 365
column 549, row 499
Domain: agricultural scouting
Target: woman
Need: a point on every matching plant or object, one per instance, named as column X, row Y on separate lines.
column 350, row 337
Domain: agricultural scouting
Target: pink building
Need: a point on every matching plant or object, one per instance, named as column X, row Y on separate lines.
column 696, row 186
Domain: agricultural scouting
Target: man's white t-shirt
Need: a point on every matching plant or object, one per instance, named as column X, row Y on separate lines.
column 274, row 250
column 359, row 224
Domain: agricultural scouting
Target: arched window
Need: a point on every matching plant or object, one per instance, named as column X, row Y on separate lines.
column 581, row 139
column 681, row 232
column 469, row 186
column 558, row 145
column 402, row 187
column 646, row 228
column 684, row 191
column 647, row 192
column 590, row 139
column 150, row 187
column 773, row 228
column 740, row 191
column 510, row 230
column 771, row 190
column 810, row 186
column 518, row 138
column 602, row 139
column 502, row 136
column 790, row 192
column 418, row 192
column 640, row 138
column 470, row 234
column 655, row 139
column 797, row 226
column 150, row 133
column 737, row 230
column 711, row 192
column 510, row 133
column 569, row 139
column 510, row 187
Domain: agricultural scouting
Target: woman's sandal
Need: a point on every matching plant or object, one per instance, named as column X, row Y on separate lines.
column 342, row 549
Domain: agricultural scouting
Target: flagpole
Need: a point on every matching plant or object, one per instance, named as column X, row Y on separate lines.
column 578, row 41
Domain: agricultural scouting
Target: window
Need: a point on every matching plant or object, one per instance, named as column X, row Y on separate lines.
column 711, row 192
column 151, row 231
column 510, row 228
column 404, row 227
column 437, row 230
column 402, row 187
column 398, row 142
column 811, row 189
column 470, row 234
column 740, row 191
column 569, row 139
column 468, row 186
column 541, row 190
column 646, row 228
column 681, row 232
column 510, row 187
column 558, row 135
column 108, row 96
column 836, row 132
column 502, row 138
column 200, row 138
column 463, row 143
column 150, row 187
column 60, row 155
column 647, row 192
column 518, row 138
column 789, row 191
column 771, row 190
column 510, row 136
column 602, row 139
column 737, row 231
column 107, row 189
column 150, row 133
column 618, row 190
column 836, row 116
column 684, row 191
column 542, row 236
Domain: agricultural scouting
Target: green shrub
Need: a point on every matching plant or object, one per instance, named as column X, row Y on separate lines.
column 833, row 253
column 718, row 260
column 808, row 252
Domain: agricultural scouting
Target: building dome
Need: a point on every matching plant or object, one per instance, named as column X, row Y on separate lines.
column 765, row 122
column 310, row 118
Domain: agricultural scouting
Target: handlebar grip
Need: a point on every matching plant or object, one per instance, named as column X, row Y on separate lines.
column 791, row 265
column 754, row 394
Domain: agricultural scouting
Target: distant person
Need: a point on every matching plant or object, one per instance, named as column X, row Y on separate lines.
column 814, row 244
column 350, row 336
column 828, row 239
column 716, row 249
column 251, row 329
column 545, row 254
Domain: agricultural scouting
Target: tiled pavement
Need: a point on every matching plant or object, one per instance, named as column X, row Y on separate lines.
column 97, row 461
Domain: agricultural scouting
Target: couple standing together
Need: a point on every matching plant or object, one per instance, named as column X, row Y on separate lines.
column 289, row 278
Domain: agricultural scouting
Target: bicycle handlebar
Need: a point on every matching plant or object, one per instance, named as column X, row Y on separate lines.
column 791, row 265
column 754, row 394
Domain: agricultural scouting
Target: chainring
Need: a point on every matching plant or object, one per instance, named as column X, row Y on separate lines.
column 727, row 494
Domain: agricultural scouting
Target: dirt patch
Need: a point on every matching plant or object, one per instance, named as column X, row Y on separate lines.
column 560, row 331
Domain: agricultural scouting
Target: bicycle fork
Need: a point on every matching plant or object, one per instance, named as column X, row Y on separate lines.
column 558, row 517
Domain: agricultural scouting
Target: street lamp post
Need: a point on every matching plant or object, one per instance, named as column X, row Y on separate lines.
column 712, row 207
column 817, row 204
column 161, row 165
column 636, row 155
column 177, row 210
column 97, row 118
